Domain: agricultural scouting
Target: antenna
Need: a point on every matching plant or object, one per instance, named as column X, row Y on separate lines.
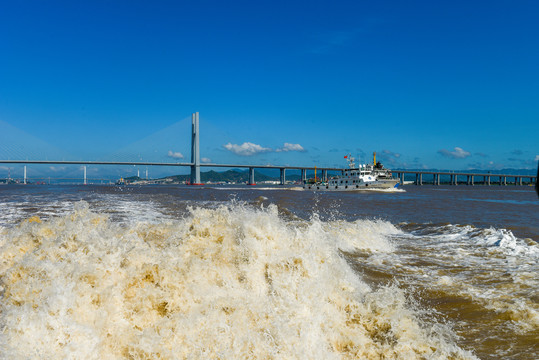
column 350, row 160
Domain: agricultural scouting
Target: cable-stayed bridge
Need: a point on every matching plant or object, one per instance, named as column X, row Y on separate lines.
column 420, row 177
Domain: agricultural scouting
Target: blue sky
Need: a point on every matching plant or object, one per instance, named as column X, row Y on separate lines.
column 426, row 84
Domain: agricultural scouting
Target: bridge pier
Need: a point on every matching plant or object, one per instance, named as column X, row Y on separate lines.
column 24, row 174
column 283, row 177
column 488, row 180
column 303, row 175
column 252, row 176
column 85, row 175
column 402, row 178
column 324, row 175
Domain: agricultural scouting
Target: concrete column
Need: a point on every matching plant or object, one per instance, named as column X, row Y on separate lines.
column 402, row 178
column 283, row 176
column 472, row 180
column 24, row 174
column 488, row 180
column 303, row 175
column 252, row 176
column 420, row 179
column 520, row 181
column 324, row 175
column 195, row 150
column 456, row 180
column 504, row 181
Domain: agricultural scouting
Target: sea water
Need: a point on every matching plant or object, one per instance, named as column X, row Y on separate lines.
column 165, row 272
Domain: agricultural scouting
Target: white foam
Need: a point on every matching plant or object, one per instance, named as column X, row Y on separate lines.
column 229, row 282
column 495, row 269
column 372, row 235
column 505, row 240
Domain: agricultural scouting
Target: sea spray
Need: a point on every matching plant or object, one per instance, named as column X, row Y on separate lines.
column 235, row 281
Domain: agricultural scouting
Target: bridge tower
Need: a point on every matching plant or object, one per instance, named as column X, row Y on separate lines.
column 195, row 151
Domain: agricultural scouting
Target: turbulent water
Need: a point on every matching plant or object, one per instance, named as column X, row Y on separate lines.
column 90, row 272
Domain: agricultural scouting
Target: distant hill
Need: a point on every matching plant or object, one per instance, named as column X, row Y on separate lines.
column 237, row 176
column 242, row 176
column 479, row 171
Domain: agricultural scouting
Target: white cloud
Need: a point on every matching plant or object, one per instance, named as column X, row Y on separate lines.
column 206, row 160
column 246, row 149
column 175, row 155
column 291, row 147
column 392, row 154
column 57, row 168
column 458, row 153
column 390, row 158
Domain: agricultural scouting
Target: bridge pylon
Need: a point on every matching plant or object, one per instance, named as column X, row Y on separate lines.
column 195, row 151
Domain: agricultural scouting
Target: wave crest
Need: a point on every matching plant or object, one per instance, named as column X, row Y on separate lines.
column 228, row 282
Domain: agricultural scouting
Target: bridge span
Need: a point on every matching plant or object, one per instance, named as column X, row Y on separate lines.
column 464, row 178
column 420, row 177
column 251, row 168
column 195, row 165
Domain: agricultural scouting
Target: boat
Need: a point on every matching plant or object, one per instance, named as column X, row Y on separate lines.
column 362, row 177
column 121, row 181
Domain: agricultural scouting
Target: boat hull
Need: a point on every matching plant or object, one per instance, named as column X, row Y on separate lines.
column 378, row 184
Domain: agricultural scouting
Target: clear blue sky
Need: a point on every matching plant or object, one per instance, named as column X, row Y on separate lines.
column 426, row 84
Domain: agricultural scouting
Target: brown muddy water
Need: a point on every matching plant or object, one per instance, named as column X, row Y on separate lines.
column 175, row 272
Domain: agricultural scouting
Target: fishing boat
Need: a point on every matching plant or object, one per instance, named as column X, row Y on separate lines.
column 362, row 177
